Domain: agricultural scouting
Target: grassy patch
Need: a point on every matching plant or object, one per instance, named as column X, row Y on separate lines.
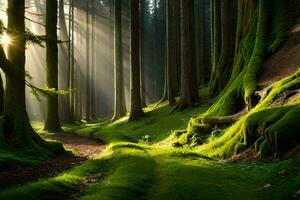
column 135, row 169
column 157, row 123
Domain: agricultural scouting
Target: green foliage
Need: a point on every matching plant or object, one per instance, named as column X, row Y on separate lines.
column 32, row 38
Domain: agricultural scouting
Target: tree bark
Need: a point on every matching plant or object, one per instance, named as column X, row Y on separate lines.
column 136, row 108
column 177, row 68
column 119, row 110
column 142, row 56
column 1, row 96
column 189, row 90
column 93, row 70
column 15, row 128
column 223, row 64
column 202, row 50
column 171, row 50
column 52, row 119
column 65, row 113
column 88, row 87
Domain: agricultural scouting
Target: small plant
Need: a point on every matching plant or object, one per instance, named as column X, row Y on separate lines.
column 177, row 145
column 145, row 140
column 197, row 139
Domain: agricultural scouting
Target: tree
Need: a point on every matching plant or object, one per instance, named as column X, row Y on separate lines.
column 65, row 114
column 71, row 60
column 135, row 94
column 15, row 128
column 171, row 51
column 223, row 62
column 88, row 85
column 1, row 96
column 52, row 119
column 142, row 56
column 202, row 47
column 119, row 107
column 189, row 89
column 93, row 70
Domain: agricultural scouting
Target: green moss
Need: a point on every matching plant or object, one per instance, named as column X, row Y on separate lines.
column 259, row 52
column 284, row 134
column 236, row 136
column 159, row 172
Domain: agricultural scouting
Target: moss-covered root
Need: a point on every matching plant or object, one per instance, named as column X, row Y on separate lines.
column 19, row 133
column 273, row 131
column 284, row 134
column 263, row 127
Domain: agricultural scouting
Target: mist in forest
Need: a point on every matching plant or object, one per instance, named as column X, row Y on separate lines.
column 86, row 51
column 86, row 35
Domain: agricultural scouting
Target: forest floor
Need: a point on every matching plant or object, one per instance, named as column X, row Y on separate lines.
column 140, row 163
column 82, row 148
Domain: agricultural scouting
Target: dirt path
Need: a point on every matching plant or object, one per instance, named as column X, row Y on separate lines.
column 83, row 148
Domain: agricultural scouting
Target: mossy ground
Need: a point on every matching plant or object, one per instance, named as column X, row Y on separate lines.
column 137, row 167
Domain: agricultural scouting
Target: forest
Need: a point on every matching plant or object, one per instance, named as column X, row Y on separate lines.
column 149, row 99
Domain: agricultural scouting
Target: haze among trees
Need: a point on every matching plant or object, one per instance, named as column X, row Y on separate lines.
column 149, row 99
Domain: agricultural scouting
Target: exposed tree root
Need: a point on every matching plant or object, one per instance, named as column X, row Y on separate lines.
column 224, row 119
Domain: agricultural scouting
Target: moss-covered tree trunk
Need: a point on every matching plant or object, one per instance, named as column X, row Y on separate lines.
column 258, row 55
column 223, row 68
column 15, row 117
column 15, row 128
column 119, row 110
column 189, row 90
column 136, row 110
column 52, row 119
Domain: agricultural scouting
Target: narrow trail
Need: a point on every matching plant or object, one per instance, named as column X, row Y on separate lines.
column 83, row 148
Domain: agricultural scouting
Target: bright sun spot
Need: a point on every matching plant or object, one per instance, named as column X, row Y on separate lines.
column 5, row 39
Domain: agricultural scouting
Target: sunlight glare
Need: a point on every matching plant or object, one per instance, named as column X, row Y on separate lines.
column 5, row 39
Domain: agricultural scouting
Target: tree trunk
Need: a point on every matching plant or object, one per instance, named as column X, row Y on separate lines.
column 88, row 87
column 177, row 68
column 136, row 108
column 52, row 120
column 72, row 95
column 202, row 50
column 66, row 115
column 119, row 110
column 142, row 56
column 189, row 90
column 215, row 40
column 16, row 129
column 223, row 68
column 93, row 74
column 1, row 96
column 171, row 51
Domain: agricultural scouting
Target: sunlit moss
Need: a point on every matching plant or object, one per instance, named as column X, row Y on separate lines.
column 235, row 137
